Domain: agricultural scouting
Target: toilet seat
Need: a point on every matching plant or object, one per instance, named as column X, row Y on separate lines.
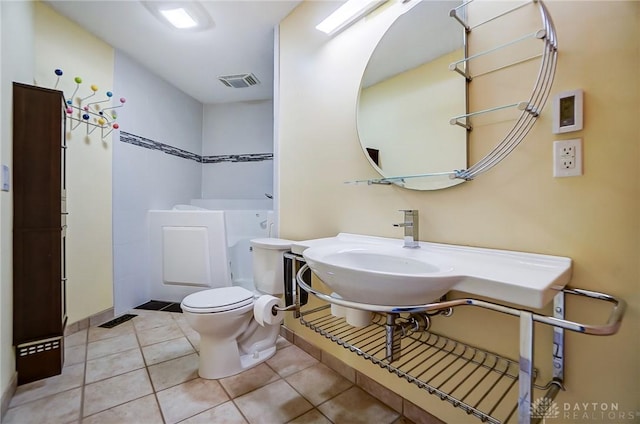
column 218, row 300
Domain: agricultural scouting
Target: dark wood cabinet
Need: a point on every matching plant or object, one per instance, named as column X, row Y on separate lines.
column 39, row 229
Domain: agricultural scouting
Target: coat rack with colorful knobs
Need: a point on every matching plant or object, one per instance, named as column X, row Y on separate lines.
column 91, row 114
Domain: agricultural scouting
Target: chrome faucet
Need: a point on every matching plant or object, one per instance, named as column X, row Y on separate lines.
column 410, row 224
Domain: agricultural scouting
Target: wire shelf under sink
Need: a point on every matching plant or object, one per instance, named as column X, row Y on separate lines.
column 481, row 383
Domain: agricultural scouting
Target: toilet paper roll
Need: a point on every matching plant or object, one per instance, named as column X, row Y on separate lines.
column 337, row 310
column 263, row 310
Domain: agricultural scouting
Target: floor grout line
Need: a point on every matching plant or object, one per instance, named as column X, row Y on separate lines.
column 150, row 324
column 84, row 375
column 153, row 388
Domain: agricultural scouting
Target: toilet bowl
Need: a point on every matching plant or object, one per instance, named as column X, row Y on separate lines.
column 231, row 339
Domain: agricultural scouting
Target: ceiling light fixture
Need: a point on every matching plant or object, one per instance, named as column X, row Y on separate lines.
column 182, row 15
column 347, row 14
column 179, row 18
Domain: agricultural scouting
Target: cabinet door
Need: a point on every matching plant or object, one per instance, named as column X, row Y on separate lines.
column 38, row 126
column 38, row 300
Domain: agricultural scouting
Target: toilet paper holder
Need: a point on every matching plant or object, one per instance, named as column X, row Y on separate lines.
column 277, row 309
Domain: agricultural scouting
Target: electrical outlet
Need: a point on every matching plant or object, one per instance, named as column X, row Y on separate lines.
column 567, row 158
column 568, row 163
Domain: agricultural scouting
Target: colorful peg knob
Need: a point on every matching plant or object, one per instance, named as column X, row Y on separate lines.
column 123, row 100
column 94, row 88
column 114, row 115
column 78, row 80
column 85, row 116
column 69, row 102
column 101, row 113
column 58, row 72
column 109, row 94
column 86, row 108
column 115, row 126
column 101, row 121
column 69, row 110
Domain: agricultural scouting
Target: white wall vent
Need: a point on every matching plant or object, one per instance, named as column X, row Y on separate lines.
column 239, row 80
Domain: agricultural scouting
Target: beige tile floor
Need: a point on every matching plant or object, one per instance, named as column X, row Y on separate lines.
column 146, row 371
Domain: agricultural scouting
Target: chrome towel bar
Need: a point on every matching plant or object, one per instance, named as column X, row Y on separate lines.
column 610, row 327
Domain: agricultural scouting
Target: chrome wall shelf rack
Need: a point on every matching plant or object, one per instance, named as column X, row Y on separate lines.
column 481, row 383
column 484, row 384
column 530, row 108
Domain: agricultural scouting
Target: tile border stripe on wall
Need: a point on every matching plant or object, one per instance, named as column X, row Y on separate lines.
column 248, row 157
column 146, row 143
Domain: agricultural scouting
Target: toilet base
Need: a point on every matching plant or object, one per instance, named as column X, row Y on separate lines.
column 252, row 359
column 220, row 360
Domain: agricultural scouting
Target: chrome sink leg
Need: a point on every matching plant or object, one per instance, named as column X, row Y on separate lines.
column 393, row 335
column 557, row 383
column 526, row 368
column 558, row 338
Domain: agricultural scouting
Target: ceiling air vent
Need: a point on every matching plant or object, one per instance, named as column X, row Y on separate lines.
column 239, row 81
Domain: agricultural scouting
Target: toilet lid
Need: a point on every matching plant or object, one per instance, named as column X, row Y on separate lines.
column 217, row 300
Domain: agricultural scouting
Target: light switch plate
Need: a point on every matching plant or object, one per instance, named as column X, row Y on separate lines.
column 5, row 178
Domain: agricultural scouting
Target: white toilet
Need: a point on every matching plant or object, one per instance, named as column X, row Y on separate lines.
column 231, row 340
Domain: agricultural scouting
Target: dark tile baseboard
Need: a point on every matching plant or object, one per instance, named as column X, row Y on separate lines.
column 159, row 305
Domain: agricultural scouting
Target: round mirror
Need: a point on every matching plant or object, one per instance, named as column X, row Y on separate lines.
column 408, row 95
column 413, row 118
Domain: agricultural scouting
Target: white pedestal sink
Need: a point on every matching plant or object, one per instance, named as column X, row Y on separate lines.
column 379, row 271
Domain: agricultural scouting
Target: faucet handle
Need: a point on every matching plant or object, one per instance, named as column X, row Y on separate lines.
column 411, row 231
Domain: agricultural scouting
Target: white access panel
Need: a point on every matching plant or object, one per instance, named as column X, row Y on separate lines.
column 185, row 256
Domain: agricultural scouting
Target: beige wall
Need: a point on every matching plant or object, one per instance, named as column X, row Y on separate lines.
column 594, row 219
column 60, row 43
column 35, row 41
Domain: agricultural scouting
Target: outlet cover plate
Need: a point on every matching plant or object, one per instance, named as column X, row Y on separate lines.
column 567, row 158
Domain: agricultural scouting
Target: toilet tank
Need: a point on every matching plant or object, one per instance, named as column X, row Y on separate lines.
column 268, row 275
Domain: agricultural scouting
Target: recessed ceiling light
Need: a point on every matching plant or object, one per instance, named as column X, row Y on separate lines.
column 179, row 18
column 180, row 14
column 346, row 14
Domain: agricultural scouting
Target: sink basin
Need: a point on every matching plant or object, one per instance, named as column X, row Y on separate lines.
column 379, row 271
column 364, row 272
